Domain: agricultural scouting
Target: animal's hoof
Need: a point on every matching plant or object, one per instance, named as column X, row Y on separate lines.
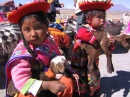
column 110, row 70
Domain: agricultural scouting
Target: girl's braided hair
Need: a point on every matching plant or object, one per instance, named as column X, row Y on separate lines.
column 89, row 14
column 40, row 16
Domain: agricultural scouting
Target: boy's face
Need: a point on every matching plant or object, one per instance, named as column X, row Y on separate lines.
column 34, row 31
column 98, row 21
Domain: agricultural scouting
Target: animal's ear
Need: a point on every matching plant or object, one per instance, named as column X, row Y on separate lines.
column 60, row 67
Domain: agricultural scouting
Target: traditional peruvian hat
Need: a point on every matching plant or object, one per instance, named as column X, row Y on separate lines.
column 95, row 4
column 37, row 5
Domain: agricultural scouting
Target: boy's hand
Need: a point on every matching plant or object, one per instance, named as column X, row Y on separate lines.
column 111, row 39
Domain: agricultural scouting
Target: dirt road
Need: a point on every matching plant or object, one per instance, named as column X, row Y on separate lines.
column 116, row 84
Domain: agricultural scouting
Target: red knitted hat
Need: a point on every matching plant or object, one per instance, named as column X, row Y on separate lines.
column 95, row 4
column 15, row 15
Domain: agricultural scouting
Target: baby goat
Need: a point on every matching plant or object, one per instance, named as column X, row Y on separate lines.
column 57, row 66
column 104, row 43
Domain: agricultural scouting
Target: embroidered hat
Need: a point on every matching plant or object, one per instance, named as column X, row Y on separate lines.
column 95, row 4
column 23, row 10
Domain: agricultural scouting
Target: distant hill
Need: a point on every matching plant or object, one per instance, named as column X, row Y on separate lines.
column 120, row 8
column 66, row 10
column 63, row 8
column 115, row 12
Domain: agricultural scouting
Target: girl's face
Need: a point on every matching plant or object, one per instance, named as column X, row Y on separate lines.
column 98, row 21
column 34, row 31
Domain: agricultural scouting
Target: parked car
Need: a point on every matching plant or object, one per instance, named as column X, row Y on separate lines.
column 3, row 17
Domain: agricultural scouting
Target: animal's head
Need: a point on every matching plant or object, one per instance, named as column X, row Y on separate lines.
column 124, row 40
column 58, row 64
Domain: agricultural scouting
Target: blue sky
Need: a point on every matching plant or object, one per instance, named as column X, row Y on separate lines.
column 70, row 4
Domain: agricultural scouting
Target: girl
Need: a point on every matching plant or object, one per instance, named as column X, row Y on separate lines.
column 33, row 53
column 78, row 13
column 93, row 20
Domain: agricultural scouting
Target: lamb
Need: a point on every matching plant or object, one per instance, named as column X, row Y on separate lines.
column 57, row 66
column 104, row 43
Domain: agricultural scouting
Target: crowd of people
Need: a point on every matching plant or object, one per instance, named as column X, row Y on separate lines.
column 44, row 37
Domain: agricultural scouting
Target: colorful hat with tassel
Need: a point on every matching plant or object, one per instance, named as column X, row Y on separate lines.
column 95, row 4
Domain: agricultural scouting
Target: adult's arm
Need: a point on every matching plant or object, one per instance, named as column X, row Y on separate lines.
column 56, row 3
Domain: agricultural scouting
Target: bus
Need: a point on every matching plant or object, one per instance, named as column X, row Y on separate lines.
column 7, row 6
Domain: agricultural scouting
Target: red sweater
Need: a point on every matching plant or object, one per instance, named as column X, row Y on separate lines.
column 85, row 35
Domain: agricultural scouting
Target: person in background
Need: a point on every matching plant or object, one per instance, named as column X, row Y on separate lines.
column 33, row 54
column 93, row 20
column 79, row 14
column 51, row 14
column 62, row 40
column 127, row 30
column 72, row 22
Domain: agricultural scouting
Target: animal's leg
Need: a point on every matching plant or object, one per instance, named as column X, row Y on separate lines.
column 90, row 50
column 105, row 48
column 11, row 88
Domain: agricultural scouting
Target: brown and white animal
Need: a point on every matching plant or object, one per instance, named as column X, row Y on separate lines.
column 57, row 66
column 104, row 43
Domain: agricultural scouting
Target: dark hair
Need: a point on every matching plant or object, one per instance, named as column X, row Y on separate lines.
column 40, row 16
column 92, row 13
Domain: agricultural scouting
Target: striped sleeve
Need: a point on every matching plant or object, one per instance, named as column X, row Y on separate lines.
column 27, row 85
column 35, row 87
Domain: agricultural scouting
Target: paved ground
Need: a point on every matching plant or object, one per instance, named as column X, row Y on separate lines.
column 116, row 84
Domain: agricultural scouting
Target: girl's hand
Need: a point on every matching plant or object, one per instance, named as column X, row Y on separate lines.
column 75, row 76
column 111, row 39
column 54, row 86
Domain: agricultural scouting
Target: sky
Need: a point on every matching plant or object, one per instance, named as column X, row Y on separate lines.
column 70, row 4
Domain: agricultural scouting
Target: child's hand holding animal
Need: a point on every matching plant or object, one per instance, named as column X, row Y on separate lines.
column 53, row 86
column 111, row 39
